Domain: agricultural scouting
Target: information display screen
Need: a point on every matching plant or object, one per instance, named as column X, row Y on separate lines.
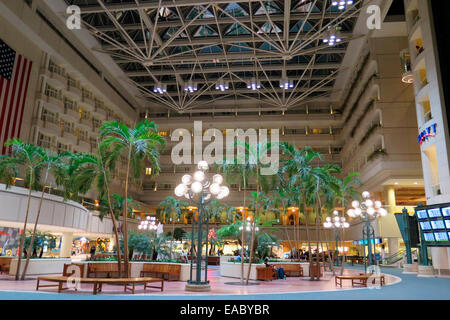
column 422, row 214
column 441, row 236
column 428, row 236
column 425, row 225
column 434, row 224
column 446, row 211
column 447, row 224
column 437, row 224
column 434, row 213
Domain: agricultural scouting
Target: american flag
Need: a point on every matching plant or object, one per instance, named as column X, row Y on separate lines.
column 14, row 77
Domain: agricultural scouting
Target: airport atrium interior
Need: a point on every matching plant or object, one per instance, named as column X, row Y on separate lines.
column 292, row 149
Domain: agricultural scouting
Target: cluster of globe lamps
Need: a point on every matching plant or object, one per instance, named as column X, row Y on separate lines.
column 148, row 224
column 248, row 226
column 336, row 221
column 198, row 184
column 372, row 208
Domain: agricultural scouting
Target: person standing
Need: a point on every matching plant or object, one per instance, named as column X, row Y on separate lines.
column 92, row 252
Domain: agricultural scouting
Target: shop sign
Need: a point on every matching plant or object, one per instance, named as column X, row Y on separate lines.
column 427, row 133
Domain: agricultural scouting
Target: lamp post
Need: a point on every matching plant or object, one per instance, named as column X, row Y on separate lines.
column 148, row 224
column 337, row 223
column 199, row 189
column 368, row 210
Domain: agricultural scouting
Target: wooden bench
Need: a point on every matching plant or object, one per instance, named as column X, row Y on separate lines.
column 265, row 273
column 109, row 268
column 5, row 263
column 129, row 283
column 161, row 269
column 360, row 279
column 290, row 269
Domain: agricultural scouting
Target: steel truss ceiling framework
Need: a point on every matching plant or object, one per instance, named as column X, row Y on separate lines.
column 169, row 44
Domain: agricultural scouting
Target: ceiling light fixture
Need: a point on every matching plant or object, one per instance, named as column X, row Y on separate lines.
column 190, row 86
column 332, row 36
column 254, row 84
column 341, row 4
column 160, row 88
column 222, row 86
column 286, row 84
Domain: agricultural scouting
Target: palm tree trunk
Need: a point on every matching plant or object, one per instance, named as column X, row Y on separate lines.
column 253, row 230
column 22, row 238
column 287, row 236
column 116, row 233
column 243, row 235
column 294, row 254
column 30, row 247
column 308, row 238
column 125, row 218
column 318, row 236
column 343, row 239
column 113, row 217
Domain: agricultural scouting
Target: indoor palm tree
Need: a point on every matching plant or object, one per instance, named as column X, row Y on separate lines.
column 30, row 158
column 348, row 192
column 49, row 161
column 137, row 144
column 297, row 165
column 171, row 205
column 94, row 169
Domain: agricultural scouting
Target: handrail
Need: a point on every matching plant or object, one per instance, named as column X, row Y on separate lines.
column 397, row 256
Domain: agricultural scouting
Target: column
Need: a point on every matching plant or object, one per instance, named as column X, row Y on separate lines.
column 390, row 202
column 392, row 245
column 66, row 245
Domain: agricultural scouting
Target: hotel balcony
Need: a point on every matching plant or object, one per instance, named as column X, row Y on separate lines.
column 55, row 104
column 84, row 145
column 72, row 113
column 73, row 92
column 100, row 113
column 48, row 127
column 87, row 103
column 54, row 78
column 68, row 137
column 87, row 123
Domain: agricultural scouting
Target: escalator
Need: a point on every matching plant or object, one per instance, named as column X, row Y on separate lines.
column 396, row 259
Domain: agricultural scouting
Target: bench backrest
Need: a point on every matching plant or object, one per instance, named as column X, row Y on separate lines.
column 104, row 267
column 161, row 267
column 67, row 273
column 288, row 266
column 5, row 263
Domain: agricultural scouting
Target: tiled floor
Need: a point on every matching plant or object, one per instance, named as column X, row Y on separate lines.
column 219, row 286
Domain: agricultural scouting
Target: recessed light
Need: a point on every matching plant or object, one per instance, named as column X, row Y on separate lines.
column 416, row 182
column 396, row 182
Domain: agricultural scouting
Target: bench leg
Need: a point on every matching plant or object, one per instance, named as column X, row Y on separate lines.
column 37, row 285
column 95, row 288
column 162, row 285
column 60, row 286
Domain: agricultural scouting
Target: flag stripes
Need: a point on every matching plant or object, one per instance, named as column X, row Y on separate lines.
column 14, row 79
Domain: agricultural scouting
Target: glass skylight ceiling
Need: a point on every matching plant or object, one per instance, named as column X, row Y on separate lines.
column 234, row 41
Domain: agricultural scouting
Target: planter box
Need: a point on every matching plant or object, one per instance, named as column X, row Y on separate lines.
column 40, row 266
column 136, row 268
column 233, row 269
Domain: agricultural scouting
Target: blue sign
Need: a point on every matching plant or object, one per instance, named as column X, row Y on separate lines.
column 427, row 133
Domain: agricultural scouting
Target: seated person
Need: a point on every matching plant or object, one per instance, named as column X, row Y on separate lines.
column 278, row 271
